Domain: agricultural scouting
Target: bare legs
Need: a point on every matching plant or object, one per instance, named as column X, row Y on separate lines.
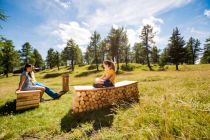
column 42, row 91
column 99, row 81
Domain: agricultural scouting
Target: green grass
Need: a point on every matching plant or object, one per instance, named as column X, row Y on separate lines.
column 173, row 105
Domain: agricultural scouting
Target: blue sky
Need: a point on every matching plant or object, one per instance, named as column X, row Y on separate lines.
column 50, row 23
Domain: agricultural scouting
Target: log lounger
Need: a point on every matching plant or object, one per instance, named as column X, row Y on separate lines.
column 87, row 98
column 27, row 99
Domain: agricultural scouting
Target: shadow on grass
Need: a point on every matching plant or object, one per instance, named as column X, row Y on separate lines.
column 100, row 118
column 49, row 75
column 52, row 75
column 86, row 73
column 9, row 108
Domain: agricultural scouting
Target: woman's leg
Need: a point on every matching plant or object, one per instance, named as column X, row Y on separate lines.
column 49, row 91
column 42, row 91
column 99, row 81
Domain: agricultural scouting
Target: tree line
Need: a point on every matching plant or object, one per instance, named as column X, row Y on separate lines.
column 114, row 47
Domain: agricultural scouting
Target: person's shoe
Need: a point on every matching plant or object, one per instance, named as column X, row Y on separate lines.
column 42, row 100
column 98, row 85
column 59, row 95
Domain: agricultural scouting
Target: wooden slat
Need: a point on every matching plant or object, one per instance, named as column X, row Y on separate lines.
column 28, row 98
column 19, row 95
column 26, row 107
column 28, row 91
column 19, row 103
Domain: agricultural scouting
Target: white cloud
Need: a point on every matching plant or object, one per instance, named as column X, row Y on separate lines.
column 73, row 31
column 200, row 33
column 154, row 22
column 64, row 3
column 101, row 15
column 133, row 36
column 108, row 12
column 207, row 13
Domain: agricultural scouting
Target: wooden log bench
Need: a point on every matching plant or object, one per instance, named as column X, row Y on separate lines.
column 27, row 99
column 87, row 98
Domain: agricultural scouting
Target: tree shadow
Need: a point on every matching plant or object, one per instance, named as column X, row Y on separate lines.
column 9, row 108
column 86, row 73
column 51, row 75
column 100, row 118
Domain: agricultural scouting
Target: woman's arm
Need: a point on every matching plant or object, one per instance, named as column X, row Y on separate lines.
column 102, row 77
column 22, row 80
column 107, row 77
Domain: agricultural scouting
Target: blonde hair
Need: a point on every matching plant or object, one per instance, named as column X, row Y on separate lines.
column 110, row 64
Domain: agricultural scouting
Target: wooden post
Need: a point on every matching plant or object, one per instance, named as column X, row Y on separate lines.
column 65, row 82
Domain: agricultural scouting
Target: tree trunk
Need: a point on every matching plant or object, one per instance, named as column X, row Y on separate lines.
column 72, row 65
column 97, row 63
column 177, row 66
column 126, row 60
column 6, row 73
column 193, row 59
column 118, row 67
column 148, row 63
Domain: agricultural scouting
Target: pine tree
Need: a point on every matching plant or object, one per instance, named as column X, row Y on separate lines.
column 51, row 58
column 3, row 17
column 89, row 56
column 73, row 53
column 139, row 53
column 164, row 57
column 94, row 44
column 147, row 36
column 57, row 59
column 26, row 54
column 39, row 62
column 206, row 54
column 155, row 55
column 192, row 49
column 9, row 57
column 176, row 48
column 116, row 39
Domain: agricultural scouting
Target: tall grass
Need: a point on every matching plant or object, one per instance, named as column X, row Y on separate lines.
column 173, row 105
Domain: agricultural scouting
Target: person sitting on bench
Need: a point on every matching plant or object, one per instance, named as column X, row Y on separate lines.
column 48, row 90
column 26, row 83
column 108, row 78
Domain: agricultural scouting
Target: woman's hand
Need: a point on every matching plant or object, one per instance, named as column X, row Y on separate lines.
column 17, row 90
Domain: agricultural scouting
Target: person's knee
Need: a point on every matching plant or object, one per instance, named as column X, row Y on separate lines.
column 97, row 80
column 42, row 89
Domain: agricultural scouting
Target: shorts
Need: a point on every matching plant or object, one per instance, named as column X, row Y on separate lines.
column 108, row 83
column 30, row 88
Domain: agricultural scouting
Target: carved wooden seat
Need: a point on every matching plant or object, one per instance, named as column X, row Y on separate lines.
column 27, row 99
column 89, row 98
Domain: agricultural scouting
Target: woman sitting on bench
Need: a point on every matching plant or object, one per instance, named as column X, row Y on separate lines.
column 26, row 82
column 108, row 78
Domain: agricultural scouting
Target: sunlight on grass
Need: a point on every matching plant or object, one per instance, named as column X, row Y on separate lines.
column 173, row 105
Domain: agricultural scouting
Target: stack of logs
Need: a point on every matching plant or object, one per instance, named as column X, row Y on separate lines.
column 91, row 99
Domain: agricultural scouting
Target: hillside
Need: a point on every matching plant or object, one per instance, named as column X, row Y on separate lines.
column 173, row 105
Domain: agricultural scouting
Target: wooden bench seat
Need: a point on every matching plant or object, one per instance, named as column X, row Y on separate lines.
column 27, row 99
column 88, row 98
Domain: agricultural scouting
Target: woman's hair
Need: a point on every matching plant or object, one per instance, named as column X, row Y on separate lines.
column 109, row 64
column 27, row 66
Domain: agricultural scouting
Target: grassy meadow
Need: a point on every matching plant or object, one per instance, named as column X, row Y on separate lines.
column 173, row 105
